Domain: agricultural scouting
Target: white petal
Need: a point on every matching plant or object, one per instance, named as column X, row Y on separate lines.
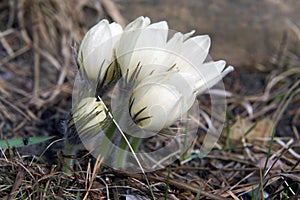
column 173, row 49
column 155, row 35
column 128, row 40
column 187, row 69
column 115, row 29
column 177, row 80
column 188, row 35
column 138, row 23
column 196, row 49
column 90, row 40
column 227, row 70
column 143, row 46
column 96, row 48
column 159, row 25
column 150, row 43
column 160, row 103
column 189, row 54
column 175, row 42
column 211, row 73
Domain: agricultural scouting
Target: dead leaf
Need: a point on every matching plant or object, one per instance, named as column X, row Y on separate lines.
column 242, row 128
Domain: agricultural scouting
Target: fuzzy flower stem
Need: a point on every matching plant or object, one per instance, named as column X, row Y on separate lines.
column 70, row 150
column 122, row 154
column 185, row 154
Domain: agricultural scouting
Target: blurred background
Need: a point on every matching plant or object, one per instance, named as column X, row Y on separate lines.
column 246, row 33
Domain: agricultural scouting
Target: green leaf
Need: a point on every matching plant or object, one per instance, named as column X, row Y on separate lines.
column 23, row 142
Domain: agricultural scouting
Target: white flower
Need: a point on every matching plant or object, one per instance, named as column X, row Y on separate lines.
column 96, row 50
column 171, row 73
column 88, row 114
column 158, row 101
column 142, row 43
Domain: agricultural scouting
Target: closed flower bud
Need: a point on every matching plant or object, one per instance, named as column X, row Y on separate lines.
column 158, row 101
column 89, row 114
column 96, row 51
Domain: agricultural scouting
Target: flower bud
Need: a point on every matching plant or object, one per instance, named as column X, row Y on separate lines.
column 158, row 101
column 96, row 50
column 89, row 114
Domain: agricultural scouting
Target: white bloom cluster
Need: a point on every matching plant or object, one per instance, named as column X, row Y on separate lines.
column 167, row 73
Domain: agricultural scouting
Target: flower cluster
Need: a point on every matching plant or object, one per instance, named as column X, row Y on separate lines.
column 165, row 73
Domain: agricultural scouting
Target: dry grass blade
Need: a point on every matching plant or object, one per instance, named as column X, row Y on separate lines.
column 172, row 182
column 18, row 181
column 94, row 174
column 114, row 13
column 6, row 45
column 294, row 28
column 15, row 108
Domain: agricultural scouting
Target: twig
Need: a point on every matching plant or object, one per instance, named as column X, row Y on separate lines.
column 63, row 69
column 48, row 57
column 12, row 12
column 36, row 63
column 24, row 33
column 16, row 54
column 96, row 167
column 171, row 182
column 286, row 101
column 294, row 28
column 18, row 181
column 15, row 107
column 6, row 45
column 113, row 12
